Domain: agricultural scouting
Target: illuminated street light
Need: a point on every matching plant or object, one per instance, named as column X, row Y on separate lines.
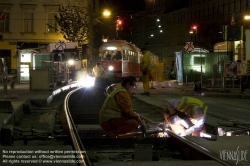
column 247, row 17
column 106, row 13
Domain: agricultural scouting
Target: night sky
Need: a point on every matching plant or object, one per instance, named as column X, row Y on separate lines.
column 123, row 6
column 119, row 8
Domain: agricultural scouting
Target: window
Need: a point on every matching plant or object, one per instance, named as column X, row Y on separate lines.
column 198, row 60
column 28, row 22
column 5, row 24
column 125, row 55
column 52, row 24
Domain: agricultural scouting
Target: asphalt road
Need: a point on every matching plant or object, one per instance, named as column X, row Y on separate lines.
column 225, row 106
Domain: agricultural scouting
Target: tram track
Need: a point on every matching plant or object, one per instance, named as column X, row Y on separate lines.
column 83, row 107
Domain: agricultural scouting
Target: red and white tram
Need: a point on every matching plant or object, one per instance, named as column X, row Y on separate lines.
column 120, row 59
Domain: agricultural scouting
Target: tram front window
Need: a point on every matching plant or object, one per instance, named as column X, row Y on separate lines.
column 112, row 55
column 117, row 56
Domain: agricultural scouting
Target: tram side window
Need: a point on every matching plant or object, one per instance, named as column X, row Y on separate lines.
column 117, row 56
column 136, row 57
column 125, row 55
column 131, row 56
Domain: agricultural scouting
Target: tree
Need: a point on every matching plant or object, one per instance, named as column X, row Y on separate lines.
column 74, row 22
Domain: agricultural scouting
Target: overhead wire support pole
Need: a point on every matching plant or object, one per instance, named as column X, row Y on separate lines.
column 201, row 70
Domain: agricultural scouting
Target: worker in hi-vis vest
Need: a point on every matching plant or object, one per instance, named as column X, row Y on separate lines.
column 117, row 115
column 186, row 115
column 98, row 71
column 146, row 67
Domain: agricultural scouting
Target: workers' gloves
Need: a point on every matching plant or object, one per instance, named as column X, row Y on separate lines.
column 143, row 126
column 184, row 121
column 176, row 120
column 186, row 132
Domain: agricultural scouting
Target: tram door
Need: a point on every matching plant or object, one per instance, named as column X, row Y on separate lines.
column 25, row 61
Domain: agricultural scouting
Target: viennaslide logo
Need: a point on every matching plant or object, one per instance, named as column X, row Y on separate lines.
column 234, row 155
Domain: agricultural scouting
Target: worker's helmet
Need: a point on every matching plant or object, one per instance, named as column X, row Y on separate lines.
column 197, row 112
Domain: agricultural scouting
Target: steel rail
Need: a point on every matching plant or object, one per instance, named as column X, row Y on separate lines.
column 200, row 149
column 74, row 134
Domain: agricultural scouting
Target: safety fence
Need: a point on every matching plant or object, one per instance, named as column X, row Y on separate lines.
column 218, row 76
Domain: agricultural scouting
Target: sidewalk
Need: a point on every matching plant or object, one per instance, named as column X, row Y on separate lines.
column 188, row 89
column 12, row 103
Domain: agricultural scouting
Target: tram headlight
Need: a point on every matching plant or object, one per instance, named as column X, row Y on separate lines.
column 111, row 68
column 71, row 62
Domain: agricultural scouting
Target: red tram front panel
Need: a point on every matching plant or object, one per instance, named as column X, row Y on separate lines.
column 112, row 68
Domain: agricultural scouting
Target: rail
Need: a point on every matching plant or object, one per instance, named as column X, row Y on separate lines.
column 182, row 140
column 200, row 149
column 78, row 146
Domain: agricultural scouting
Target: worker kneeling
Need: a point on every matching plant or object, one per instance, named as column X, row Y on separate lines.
column 186, row 116
column 117, row 116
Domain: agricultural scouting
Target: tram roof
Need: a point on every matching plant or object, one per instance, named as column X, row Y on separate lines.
column 120, row 43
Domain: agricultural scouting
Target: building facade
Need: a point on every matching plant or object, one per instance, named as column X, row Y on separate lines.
column 177, row 19
column 30, row 25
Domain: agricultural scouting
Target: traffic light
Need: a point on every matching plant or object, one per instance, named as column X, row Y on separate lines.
column 119, row 24
column 194, row 29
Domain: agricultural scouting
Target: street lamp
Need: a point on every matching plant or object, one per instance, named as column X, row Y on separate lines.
column 247, row 17
column 106, row 13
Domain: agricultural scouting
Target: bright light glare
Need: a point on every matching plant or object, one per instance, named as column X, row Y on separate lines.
column 202, row 134
column 247, row 17
column 71, row 62
column 88, row 81
column 111, row 68
column 111, row 48
column 106, row 13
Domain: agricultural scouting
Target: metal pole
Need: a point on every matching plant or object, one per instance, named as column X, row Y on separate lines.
column 222, row 77
column 5, row 77
column 5, row 84
column 186, row 75
column 201, row 70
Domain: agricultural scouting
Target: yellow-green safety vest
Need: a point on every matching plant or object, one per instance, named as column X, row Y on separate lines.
column 190, row 101
column 98, row 71
column 146, row 62
column 110, row 109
